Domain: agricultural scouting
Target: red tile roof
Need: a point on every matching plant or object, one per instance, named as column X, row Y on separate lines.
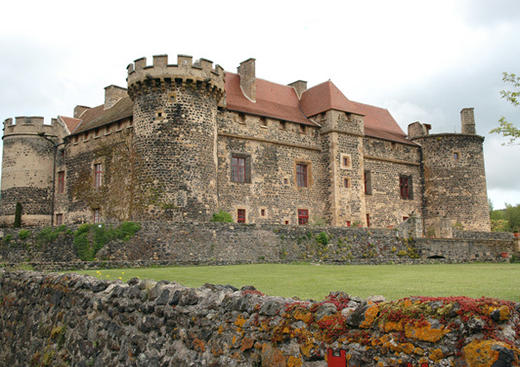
column 272, row 100
column 70, row 122
column 323, row 97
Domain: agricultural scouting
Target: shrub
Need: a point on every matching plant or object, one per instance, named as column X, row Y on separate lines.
column 18, row 215
column 222, row 217
column 50, row 234
column 322, row 238
column 90, row 238
column 23, row 234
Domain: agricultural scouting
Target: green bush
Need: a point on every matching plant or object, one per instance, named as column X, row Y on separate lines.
column 18, row 215
column 23, row 234
column 322, row 238
column 222, row 217
column 50, row 234
column 90, row 238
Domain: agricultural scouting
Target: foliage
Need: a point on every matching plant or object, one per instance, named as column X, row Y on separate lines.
column 222, row 217
column 90, row 238
column 322, row 238
column 506, row 128
column 50, row 234
column 18, row 215
column 23, row 234
column 507, row 220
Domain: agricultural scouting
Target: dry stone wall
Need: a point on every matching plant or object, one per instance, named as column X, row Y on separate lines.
column 73, row 320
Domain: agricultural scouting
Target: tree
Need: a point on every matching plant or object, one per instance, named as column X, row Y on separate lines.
column 507, row 128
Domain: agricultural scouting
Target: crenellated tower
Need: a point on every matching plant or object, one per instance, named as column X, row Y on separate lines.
column 454, row 177
column 29, row 148
column 175, row 127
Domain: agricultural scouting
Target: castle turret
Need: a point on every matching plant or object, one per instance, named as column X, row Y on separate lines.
column 454, row 177
column 27, row 169
column 175, row 127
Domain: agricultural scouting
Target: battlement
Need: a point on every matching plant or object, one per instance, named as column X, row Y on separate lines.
column 31, row 125
column 199, row 74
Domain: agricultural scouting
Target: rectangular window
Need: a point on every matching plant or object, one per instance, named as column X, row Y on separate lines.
column 59, row 219
column 346, row 183
column 240, row 168
column 405, row 219
column 301, row 175
column 262, row 212
column 405, row 187
column 98, row 175
column 368, row 220
column 241, row 216
column 97, row 215
column 303, row 216
column 302, row 129
column 348, row 223
column 367, row 178
column 61, row 182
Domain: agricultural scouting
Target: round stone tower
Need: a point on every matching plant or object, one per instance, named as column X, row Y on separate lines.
column 27, row 169
column 175, row 127
column 454, row 177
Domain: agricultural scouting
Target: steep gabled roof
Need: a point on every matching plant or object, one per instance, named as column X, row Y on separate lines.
column 70, row 122
column 323, row 97
column 272, row 100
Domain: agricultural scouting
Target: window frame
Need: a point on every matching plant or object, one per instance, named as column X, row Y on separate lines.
column 240, row 174
column 241, row 215
column 406, row 187
column 302, row 174
column 59, row 219
column 367, row 182
column 98, row 175
column 303, row 216
column 60, row 189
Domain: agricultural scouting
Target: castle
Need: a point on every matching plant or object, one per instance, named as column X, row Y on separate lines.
column 184, row 141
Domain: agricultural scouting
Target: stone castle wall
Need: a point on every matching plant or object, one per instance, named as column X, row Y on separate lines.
column 68, row 319
column 27, row 168
column 455, row 180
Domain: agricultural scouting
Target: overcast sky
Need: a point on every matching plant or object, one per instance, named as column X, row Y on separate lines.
column 423, row 60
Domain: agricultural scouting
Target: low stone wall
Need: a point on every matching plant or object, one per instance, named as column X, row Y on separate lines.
column 61, row 320
column 231, row 243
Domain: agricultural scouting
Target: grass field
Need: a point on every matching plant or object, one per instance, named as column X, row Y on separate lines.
column 316, row 281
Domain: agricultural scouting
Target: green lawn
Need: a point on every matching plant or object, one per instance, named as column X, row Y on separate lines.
column 316, row 281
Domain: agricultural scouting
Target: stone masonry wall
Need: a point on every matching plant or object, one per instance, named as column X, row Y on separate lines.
column 387, row 161
column 231, row 243
column 455, row 180
column 68, row 319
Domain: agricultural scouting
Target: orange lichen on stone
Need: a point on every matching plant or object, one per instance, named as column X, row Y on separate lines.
column 407, row 348
column 306, row 349
column 436, row 354
column 294, row 362
column 505, row 313
column 272, row 357
column 370, row 316
column 303, row 315
column 240, row 321
column 247, row 343
column 418, row 351
column 234, row 340
column 198, row 345
column 220, row 329
column 391, row 326
column 424, row 331
column 481, row 353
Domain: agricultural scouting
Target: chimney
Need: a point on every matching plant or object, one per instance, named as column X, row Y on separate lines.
column 418, row 130
column 467, row 121
column 113, row 94
column 299, row 86
column 78, row 111
column 246, row 71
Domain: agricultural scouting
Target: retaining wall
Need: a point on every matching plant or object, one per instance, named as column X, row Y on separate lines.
column 73, row 320
column 231, row 243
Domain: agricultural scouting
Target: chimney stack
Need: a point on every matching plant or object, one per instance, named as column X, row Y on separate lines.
column 299, row 86
column 418, row 130
column 467, row 121
column 246, row 71
column 113, row 94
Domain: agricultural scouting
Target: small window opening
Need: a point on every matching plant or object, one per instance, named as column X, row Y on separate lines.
column 303, row 216
column 405, row 218
column 263, row 122
column 346, row 183
column 286, row 222
column 456, row 156
column 302, row 129
column 368, row 220
column 241, row 215
column 242, row 118
column 283, row 125
column 348, row 223
column 262, row 212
